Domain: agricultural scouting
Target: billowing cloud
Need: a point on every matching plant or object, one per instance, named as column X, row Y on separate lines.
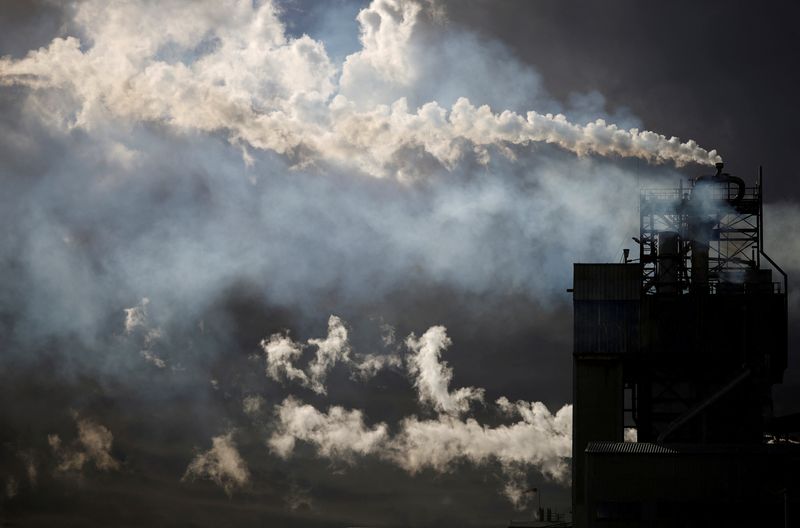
column 338, row 433
column 281, row 353
column 222, row 464
column 229, row 67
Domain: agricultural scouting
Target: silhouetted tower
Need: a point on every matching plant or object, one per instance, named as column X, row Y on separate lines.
column 678, row 349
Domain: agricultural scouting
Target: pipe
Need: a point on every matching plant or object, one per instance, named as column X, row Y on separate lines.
column 678, row 422
column 724, row 177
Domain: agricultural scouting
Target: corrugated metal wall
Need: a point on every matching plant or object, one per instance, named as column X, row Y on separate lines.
column 607, row 282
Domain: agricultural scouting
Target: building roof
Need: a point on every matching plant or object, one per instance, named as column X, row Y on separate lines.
column 642, row 448
column 645, row 448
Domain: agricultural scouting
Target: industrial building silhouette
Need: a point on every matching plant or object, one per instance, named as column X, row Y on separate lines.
column 675, row 356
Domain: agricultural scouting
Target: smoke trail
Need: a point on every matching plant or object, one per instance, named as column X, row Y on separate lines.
column 280, row 94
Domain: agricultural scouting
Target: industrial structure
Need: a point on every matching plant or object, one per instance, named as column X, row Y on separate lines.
column 675, row 356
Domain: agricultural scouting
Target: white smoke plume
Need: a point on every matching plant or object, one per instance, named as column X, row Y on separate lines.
column 282, row 94
column 222, row 464
column 539, row 439
column 432, row 377
column 337, row 434
column 282, row 353
column 92, row 445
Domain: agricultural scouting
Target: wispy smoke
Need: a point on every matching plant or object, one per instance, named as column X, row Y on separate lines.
column 92, row 445
column 540, row 439
column 282, row 353
column 432, row 377
column 221, row 464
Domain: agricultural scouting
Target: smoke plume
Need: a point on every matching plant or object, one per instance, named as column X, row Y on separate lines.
column 540, row 439
column 190, row 186
column 230, row 67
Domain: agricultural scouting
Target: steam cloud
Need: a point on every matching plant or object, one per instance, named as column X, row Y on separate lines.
column 433, row 377
column 147, row 219
column 282, row 353
column 277, row 93
column 540, row 439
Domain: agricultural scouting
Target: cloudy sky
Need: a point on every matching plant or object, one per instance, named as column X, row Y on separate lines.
column 303, row 263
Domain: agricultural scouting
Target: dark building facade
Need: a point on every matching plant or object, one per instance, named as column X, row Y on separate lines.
column 675, row 356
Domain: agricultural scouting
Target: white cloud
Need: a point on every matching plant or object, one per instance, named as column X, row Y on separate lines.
column 541, row 440
column 222, row 464
column 338, row 434
column 281, row 352
column 432, row 376
column 331, row 350
column 229, row 67
column 534, row 438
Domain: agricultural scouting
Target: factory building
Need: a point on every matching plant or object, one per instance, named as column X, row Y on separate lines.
column 675, row 356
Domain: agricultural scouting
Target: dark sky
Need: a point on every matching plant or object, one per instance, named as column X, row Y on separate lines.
column 723, row 73
column 114, row 194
